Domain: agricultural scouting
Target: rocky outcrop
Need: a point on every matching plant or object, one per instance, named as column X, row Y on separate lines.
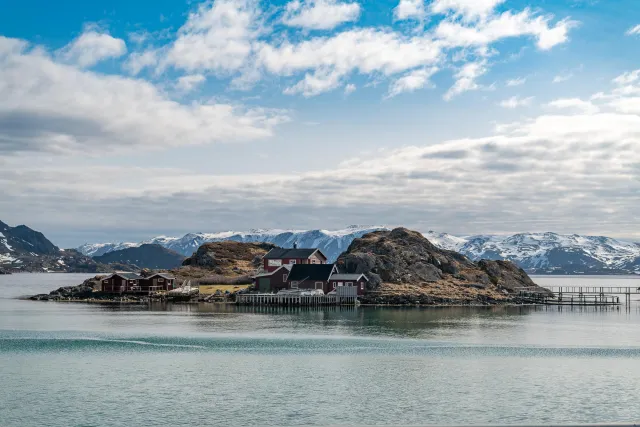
column 402, row 265
column 229, row 260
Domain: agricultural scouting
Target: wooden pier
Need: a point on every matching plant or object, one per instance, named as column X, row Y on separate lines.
column 346, row 296
column 579, row 295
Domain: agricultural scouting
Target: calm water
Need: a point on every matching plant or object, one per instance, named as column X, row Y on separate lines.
column 64, row 364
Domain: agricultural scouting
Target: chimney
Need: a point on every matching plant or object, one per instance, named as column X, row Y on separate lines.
column 295, row 245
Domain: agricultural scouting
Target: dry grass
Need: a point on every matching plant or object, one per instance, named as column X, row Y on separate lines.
column 212, row 289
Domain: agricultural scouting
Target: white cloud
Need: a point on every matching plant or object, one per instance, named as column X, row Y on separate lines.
column 414, row 80
column 627, row 78
column 54, row 107
column 516, row 102
column 349, row 89
column 516, row 82
column 562, row 78
column 216, row 37
column 468, row 9
column 190, row 82
column 315, row 84
column 409, row 9
column 575, row 103
column 466, row 79
column 235, row 39
column 92, row 47
column 505, row 25
column 320, row 14
column 633, row 31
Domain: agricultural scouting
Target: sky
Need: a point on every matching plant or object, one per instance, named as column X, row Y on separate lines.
column 124, row 120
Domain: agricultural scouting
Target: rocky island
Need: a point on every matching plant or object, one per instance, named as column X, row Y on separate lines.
column 402, row 267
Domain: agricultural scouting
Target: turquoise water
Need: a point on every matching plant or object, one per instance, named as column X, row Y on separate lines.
column 65, row 364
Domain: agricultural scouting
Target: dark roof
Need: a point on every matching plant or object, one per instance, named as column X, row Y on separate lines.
column 301, row 272
column 348, row 276
column 281, row 253
column 286, row 267
column 165, row 275
column 130, row 276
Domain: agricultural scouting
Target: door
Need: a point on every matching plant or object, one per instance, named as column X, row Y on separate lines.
column 264, row 284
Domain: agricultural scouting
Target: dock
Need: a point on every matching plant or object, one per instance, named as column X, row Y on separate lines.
column 346, row 295
column 579, row 295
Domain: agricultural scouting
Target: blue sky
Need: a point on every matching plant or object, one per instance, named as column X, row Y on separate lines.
column 122, row 120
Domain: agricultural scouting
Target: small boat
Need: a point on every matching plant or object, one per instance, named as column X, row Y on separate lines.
column 185, row 290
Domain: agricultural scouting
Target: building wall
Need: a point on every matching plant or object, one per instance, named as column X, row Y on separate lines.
column 269, row 268
column 316, row 258
column 311, row 284
column 277, row 281
column 361, row 284
column 115, row 284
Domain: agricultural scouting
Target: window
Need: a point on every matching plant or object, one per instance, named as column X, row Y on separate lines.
column 106, row 282
column 284, row 277
column 294, row 285
column 340, row 283
column 362, row 286
column 292, row 261
column 274, row 262
column 313, row 261
column 334, row 285
column 161, row 280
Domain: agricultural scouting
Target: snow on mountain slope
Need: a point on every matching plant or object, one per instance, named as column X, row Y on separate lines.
column 331, row 242
column 535, row 252
column 97, row 249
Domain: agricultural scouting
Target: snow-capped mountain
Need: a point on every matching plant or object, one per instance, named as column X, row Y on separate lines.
column 535, row 252
column 331, row 242
column 549, row 252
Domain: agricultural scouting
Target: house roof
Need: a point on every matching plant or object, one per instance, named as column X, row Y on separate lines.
column 164, row 275
column 286, row 267
column 348, row 277
column 281, row 253
column 125, row 275
column 300, row 272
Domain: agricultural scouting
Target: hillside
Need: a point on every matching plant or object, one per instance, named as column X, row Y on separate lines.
column 404, row 267
column 144, row 256
column 25, row 250
column 223, row 262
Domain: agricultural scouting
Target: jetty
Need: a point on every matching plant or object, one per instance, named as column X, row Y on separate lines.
column 579, row 295
column 344, row 295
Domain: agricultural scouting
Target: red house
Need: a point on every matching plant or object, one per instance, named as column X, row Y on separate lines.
column 119, row 283
column 359, row 280
column 277, row 257
column 273, row 281
column 312, row 276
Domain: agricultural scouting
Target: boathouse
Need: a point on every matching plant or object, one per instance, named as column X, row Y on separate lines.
column 273, row 281
column 277, row 257
column 127, row 282
column 312, row 276
column 358, row 280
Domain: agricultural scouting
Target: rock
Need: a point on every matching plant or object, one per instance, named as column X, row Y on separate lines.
column 413, row 269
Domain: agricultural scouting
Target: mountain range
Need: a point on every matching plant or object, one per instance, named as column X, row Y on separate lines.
column 537, row 253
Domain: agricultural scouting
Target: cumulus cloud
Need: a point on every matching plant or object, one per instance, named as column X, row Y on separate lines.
column 49, row 106
column 409, row 9
column 320, row 14
column 578, row 159
column 235, row 38
column 516, row 102
column 91, row 47
column 414, row 80
column 217, row 37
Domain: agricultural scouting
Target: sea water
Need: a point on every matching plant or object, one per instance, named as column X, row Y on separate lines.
column 74, row 364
